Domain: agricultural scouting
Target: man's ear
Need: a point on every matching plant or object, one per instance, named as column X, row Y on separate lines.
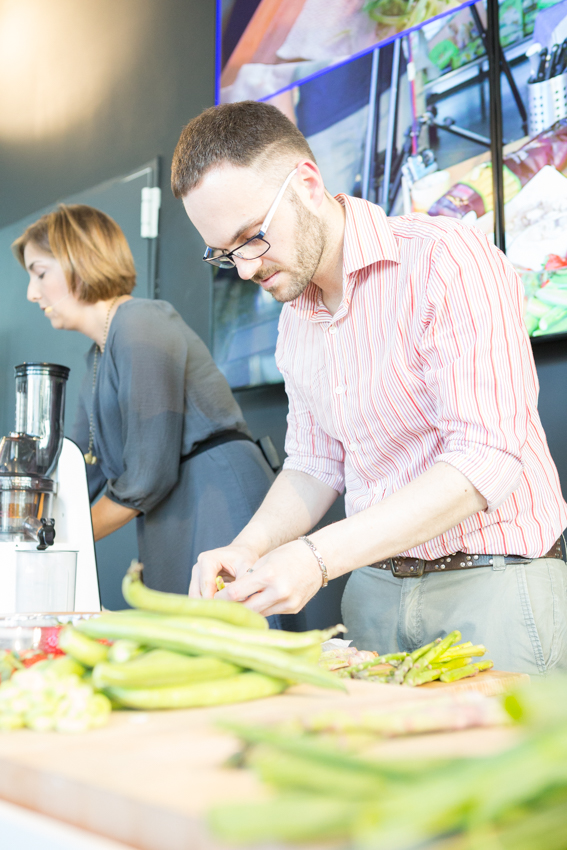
column 311, row 181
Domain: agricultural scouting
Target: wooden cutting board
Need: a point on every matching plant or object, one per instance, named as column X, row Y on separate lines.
column 148, row 779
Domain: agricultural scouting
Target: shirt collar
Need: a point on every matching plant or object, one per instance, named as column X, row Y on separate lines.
column 368, row 239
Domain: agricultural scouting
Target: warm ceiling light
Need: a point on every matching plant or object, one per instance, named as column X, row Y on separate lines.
column 59, row 60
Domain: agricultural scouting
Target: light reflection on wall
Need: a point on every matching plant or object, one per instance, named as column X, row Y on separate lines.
column 59, row 59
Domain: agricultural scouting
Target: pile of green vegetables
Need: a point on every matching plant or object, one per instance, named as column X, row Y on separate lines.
column 404, row 14
column 546, row 305
column 442, row 659
column 168, row 652
column 513, row 800
column 180, row 652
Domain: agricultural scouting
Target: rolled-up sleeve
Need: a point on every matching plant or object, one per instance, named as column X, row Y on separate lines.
column 476, row 355
column 149, row 373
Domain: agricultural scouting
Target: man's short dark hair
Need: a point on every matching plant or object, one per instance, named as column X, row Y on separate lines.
column 242, row 134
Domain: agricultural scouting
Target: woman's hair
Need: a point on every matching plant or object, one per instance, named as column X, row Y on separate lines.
column 90, row 247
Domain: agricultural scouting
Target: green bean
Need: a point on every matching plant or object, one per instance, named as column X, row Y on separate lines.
column 84, row 650
column 161, row 667
column 155, row 633
column 123, row 650
column 239, row 688
column 278, row 639
column 139, row 596
column 309, row 653
column 292, row 771
column 293, row 818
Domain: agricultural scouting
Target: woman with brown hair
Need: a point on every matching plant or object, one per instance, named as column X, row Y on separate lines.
column 157, row 421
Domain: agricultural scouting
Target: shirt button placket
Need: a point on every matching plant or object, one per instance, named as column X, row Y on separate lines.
column 340, row 388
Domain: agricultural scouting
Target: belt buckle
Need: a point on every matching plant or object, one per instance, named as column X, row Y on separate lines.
column 408, row 567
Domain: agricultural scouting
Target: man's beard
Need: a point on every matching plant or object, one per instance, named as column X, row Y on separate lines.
column 310, row 240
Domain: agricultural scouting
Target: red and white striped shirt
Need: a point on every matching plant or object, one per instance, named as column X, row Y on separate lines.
column 427, row 359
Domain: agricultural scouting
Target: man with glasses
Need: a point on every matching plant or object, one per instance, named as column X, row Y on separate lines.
column 411, row 383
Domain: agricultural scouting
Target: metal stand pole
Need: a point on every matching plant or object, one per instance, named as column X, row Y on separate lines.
column 507, row 71
column 493, row 52
column 392, row 125
column 370, row 147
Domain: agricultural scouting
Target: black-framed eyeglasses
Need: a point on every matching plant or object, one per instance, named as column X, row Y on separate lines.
column 253, row 248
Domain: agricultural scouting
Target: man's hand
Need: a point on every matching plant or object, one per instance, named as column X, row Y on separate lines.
column 294, row 504
column 283, row 581
column 230, row 562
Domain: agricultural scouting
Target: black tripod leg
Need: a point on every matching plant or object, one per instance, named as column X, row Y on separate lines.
column 494, row 51
column 506, row 70
column 372, row 130
column 392, row 127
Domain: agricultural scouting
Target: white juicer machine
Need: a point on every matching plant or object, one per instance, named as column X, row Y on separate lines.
column 44, row 499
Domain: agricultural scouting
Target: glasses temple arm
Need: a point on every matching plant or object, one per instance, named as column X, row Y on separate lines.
column 273, row 208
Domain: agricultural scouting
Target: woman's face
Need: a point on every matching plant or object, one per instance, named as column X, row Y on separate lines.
column 48, row 287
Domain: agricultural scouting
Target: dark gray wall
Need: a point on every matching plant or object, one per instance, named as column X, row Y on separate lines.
column 144, row 68
column 551, row 363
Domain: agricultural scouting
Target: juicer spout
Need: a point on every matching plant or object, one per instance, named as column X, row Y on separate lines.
column 42, row 530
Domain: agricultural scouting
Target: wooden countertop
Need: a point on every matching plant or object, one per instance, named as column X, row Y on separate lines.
column 148, row 779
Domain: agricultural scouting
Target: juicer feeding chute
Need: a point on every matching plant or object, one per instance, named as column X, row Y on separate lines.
column 40, row 411
column 29, row 454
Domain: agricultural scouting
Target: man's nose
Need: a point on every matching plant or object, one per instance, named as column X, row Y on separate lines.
column 247, row 268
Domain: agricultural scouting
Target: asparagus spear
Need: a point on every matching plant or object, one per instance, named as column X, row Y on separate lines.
column 421, row 677
column 445, row 666
column 426, row 658
column 459, row 673
column 400, row 673
column 462, row 652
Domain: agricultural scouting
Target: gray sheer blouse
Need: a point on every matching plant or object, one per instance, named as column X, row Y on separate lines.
column 158, row 393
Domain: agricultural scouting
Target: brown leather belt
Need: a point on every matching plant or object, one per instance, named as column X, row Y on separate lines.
column 415, row 567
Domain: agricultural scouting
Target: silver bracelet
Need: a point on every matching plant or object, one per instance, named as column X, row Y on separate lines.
column 320, row 561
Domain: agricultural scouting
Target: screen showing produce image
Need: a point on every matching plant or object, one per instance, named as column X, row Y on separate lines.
column 535, row 194
column 268, row 46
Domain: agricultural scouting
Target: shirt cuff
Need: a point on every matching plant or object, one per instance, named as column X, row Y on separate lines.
column 334, row 478
column 110, row 495
column 495, row 474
